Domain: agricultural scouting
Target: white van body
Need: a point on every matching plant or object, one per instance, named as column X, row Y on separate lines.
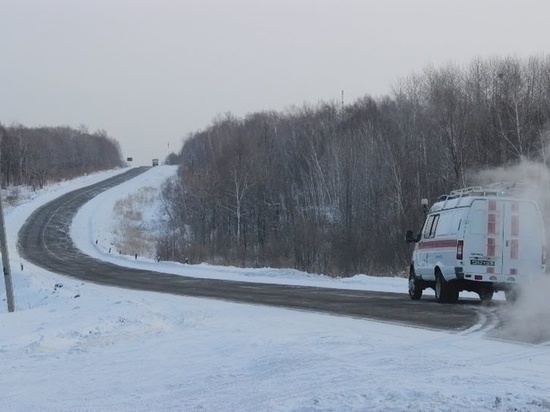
column 477, row 239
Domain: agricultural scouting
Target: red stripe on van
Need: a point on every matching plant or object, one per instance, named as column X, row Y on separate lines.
column 491, row 224
column 436, row 244
column 515, row 225
column 491, row 247
column 514, row 249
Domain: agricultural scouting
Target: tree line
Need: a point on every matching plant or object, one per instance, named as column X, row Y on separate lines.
column 331, row 188
column 33, row 156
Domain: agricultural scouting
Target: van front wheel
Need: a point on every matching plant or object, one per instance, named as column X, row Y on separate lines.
column 415, row 288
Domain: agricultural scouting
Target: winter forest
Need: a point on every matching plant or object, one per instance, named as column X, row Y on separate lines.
column 35, row 156
column 331, row 187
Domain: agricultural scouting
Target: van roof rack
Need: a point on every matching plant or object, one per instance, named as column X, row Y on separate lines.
column 511, row 189
column 466, row 191
column 493, row 189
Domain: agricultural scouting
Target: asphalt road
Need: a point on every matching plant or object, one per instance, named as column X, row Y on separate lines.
column 45, row 241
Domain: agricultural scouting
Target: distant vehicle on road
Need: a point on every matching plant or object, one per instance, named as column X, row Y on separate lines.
column 155, row 162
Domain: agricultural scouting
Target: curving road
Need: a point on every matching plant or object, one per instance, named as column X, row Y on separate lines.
column 45, row 241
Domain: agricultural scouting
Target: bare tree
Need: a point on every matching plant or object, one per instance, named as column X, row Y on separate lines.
column 330, row 189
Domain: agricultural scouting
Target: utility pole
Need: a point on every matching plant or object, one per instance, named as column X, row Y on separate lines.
column 6, row 261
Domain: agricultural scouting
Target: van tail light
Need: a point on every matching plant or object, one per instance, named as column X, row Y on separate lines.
column 459, row 249
column 543, row 256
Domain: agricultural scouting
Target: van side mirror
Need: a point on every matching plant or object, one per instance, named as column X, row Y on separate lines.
column 410, row 238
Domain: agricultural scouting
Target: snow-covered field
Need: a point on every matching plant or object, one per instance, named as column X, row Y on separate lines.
column 79, row 346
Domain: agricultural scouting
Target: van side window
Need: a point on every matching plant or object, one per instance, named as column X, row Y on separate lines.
column 444, row 224
column 431, row 225
column 428, row 227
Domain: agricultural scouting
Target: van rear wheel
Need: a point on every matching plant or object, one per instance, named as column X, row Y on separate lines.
column 444, row 291
column 511, row 295
column 486, row 293
column 415, row 288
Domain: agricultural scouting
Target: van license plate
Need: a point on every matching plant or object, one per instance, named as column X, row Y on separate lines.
column 480, row 262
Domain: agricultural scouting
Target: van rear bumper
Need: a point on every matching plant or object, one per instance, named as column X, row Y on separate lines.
column 499, row 282
column 477, row 283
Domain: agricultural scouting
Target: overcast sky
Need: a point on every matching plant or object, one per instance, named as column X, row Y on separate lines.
column 151, row 71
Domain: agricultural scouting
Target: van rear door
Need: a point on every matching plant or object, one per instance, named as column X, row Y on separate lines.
column 483, row 237
column 523, row 238
column 503, row 237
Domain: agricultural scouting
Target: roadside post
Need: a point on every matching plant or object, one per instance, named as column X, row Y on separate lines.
column 6, row 261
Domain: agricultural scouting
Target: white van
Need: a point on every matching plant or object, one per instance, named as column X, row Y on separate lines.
column 479, row 239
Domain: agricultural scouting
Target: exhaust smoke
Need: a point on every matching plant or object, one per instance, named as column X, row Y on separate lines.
column 527, row 317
